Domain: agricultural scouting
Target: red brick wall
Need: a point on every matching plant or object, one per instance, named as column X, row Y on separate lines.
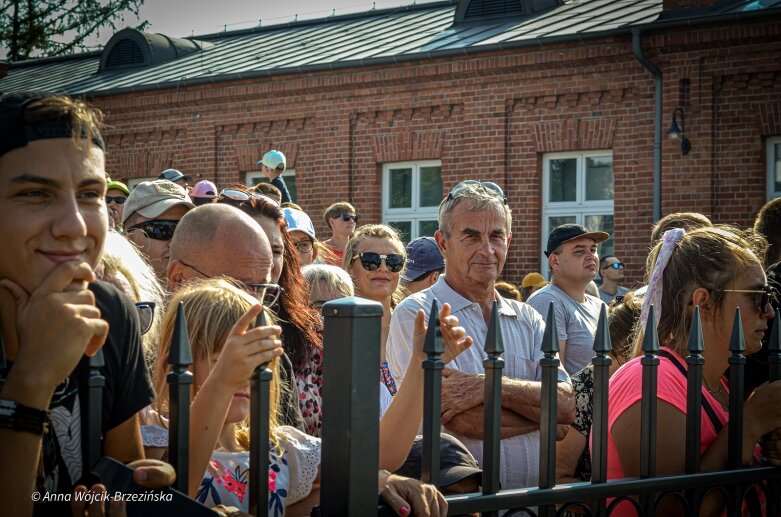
column 488, row 116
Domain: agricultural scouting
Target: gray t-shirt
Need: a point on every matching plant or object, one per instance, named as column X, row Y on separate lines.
column 607, row 298
column 576, row 323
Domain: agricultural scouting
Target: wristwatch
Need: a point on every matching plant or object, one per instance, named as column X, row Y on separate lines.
column 19, row 417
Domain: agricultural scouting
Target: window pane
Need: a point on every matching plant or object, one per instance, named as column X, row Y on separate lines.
column 400, row 188
column 430, row 186
column 290, row 182
column 427, row 228
column 563, row 180
column 558, row 220
column 404, row 228
column 599, row 178
column 777, row 175
column 603, row 223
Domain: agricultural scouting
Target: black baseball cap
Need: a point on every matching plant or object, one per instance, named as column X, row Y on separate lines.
column 568, row 232
column 456, row 463
column 173, row 175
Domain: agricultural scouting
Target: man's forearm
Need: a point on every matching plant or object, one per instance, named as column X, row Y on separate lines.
column 470, row 423
column 524, row 397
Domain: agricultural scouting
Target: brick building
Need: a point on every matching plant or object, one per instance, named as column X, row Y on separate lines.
column 555, row 101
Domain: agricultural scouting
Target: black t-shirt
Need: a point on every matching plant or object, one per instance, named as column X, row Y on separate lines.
column 128, row 389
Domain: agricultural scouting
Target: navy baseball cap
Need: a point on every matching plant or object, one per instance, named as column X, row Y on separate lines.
column 173, row 175
column 568, row 232
column 423, row 256
column 456, row 463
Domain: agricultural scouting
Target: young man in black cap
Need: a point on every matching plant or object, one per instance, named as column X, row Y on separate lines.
column 174, row 176
column 424, row 264
column 573, row 260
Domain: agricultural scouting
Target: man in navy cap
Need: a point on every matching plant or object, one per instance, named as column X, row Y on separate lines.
column 424, row 264
column 177, row 177
column 573, row 260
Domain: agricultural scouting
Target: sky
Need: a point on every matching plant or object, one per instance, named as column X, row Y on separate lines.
column 181, row 18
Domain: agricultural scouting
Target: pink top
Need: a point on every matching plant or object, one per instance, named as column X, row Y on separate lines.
column 626, row 388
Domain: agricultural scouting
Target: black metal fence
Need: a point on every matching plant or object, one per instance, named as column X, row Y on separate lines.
column 350, row 425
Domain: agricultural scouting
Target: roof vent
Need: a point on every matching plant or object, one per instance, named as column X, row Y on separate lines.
column 131, row 48
column 479, row 10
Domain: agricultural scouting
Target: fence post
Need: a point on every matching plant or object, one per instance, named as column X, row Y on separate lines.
column 694, row 363
column 492, row 405
column 93, row 428
column 650, row 363
column 432, row 398
column 601, row 362
column 179, row 380
column 548, row 406
column 351, row 407
column 260, row 407
column 737, row 366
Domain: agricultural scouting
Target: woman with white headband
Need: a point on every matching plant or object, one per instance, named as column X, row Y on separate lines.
column 717, row 269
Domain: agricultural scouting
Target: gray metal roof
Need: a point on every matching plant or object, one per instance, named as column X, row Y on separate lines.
column 413, row 32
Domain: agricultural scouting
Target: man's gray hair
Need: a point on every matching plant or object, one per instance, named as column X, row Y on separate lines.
column 480, row 199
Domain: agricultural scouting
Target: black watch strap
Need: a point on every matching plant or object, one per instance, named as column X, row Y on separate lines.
column 19, row 417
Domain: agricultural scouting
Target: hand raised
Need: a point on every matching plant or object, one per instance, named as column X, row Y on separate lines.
column 454, row 337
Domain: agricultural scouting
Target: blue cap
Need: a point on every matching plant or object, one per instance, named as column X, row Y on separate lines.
column 423, row 256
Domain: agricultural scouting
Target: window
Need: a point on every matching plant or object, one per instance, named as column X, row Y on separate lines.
column 773, row 168
column 255, row 177
column 411, row 193
column 578, row 188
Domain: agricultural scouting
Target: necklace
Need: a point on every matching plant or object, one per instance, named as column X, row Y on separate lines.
column 718, row 393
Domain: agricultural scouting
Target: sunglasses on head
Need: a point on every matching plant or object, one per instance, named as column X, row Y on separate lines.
column 349, row 217
column 489, row 187
column 146, row 315
column 615, row 265
column 120, row 200
column 372, row 261
column 157, row 229
column 760, row 297
column 240, row 196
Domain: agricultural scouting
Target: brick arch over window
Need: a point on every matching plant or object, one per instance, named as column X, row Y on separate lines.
column 575, row 135
column 408, row 146
column 769, row 116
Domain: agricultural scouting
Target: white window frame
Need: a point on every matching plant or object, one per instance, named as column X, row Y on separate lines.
column 580, row 208
column 414, row 214
column 771, row 167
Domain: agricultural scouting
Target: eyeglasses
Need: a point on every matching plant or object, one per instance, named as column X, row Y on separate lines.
column 266, row 294
column 157, row 229
column 241, row 197
column 372, row 261
column 146, row 315
column 489, row 187
column 761, row 298
column 349, row 217
column 304, row 245
column 120, row 200
column 615, row 265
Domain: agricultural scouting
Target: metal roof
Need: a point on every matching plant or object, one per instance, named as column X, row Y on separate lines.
column 390, row 35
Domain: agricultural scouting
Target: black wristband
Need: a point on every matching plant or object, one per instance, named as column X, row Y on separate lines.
column 19, row 417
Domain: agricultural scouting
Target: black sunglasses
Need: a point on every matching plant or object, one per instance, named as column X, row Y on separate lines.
column 348, row 217
column 157, row 229
column 372, row 261
column 760, row 297
column 489, row 187
column 120, row 200
column 146, row 315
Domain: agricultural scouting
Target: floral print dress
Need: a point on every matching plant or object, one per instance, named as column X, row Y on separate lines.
column 293, row 467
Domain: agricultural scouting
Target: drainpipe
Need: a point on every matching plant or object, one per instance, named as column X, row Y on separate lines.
column 637, row 49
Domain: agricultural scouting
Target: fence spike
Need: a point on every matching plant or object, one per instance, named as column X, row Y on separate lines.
column 432, row 345
column 696, row 343
column 494, row 342
column 651, row 339
column 180, row 354
column 550, row 339
column 736, row 342
column 259, row 432
column 602, row 341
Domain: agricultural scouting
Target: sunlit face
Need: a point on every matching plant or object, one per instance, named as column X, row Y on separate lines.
column 240, row 403
column 274, row 234
column 577, row 261
column 157, row 251
column 754, row 319
column 611, row 273
column 476, row 249
column 53, row 208
column 115, row 210
column 302, row 241
column 342, row 227
column 376, row 285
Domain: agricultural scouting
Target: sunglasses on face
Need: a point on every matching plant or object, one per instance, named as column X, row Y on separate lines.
column 615, row 265
column 146, row 315
column 349, row 217
column 120, row 200
column 157, row 229
column 489, row 187
column 761, row 298
column 372, row 261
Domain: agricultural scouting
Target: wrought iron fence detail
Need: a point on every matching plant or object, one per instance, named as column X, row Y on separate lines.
column 432, row 395
column 260, row 407
column 179, row 379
